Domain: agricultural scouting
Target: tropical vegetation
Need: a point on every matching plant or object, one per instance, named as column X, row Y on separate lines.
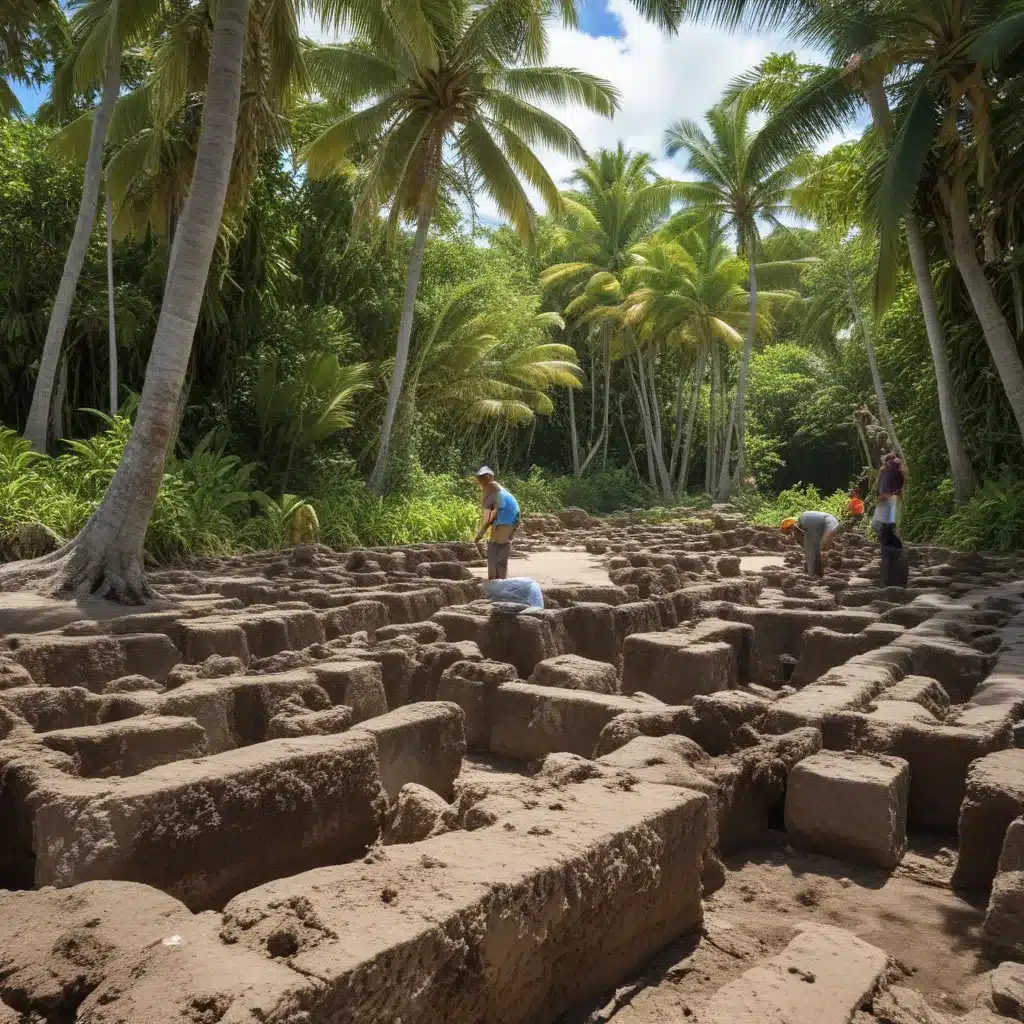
column 251, row 282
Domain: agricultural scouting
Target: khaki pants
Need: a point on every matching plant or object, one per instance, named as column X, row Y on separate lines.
column 498, row 544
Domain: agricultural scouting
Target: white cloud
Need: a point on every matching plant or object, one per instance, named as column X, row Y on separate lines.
column 660, row 79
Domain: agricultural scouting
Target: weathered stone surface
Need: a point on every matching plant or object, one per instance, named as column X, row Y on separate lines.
column 531, row 721
column 822, row 977
column 995, row 796
column 419, row 813
column 850, row 806
column 422, row 743
column 571, row 672
column 187, row 828
column 671, row 667
column 130, row 746
column 1003, row 931
column 1008, row 989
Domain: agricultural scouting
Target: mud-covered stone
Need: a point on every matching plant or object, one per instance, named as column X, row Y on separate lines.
column 850, row 806
column 571, row 672
column 995, row 796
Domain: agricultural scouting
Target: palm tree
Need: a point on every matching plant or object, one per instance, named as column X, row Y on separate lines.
column 32, row 34
column 687, row 290
column 99, row 31
column 811, row 106
column 106, row 556
column 471, row 101
column 746, row 182
column 617, row 202
column 486, row 359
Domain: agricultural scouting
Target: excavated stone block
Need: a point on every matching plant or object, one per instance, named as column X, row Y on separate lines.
column 571, row 672
column 422, row 743
column 531, row 721
column 509, row 925
column 919, row 690
column 1003, row 932
column 472, row 686
column 1008, row 990
column 524, row 640
column 850, row 805
column 91, row 661
column 191, row 828
column 419, row 813
column 356, row 684
column 130, row 746
column 357, row 617
column 822, row 977
column 202, row 638
column 671, row 667
column 995, row 796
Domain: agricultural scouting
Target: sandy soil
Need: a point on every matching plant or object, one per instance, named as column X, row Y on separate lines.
column 574, row 565
column 931, row 932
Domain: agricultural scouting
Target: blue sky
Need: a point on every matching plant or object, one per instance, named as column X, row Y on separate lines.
column 30, row 98
column 597, row 20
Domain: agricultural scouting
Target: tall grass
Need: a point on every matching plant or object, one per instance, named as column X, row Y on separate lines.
column 770, row 511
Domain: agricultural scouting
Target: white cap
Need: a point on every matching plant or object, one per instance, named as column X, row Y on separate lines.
column 485, row 471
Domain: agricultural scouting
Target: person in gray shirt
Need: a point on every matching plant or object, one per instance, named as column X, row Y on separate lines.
column 817, row 531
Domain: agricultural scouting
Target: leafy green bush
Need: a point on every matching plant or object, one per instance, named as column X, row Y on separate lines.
column 991, row 520
column 770, row 511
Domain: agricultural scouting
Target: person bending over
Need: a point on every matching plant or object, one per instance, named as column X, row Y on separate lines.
column 500, row 516
column 817, row 531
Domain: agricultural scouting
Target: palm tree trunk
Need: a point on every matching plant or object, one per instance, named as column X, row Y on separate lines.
column 712, row 453
column 607, row 354
column 659, row 441
column 112, row 338
column 641, row 402
column 737, row 415
column 964, row 480
column 42, row 395
column 593, row 400
column 961, row 471
column 378, row 478
column 677, row 435
column 998, row 335
column 698, row 383
column 106, row 557
column 629, row 444
column 573, row 436
column 59, row 399
column 652, row 425
column 876, row 377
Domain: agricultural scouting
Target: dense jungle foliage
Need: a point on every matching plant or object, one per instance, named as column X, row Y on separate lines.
column 598, row 363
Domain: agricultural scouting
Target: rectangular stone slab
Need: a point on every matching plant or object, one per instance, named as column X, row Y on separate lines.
column 129, row 746
column 850, row 806
column 512, row 924
column 821, row 977
column 671, row 667
column 531, row 721
column 205, row 829
column 422, row 743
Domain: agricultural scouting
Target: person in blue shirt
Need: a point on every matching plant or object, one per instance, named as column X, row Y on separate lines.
column 500, row 518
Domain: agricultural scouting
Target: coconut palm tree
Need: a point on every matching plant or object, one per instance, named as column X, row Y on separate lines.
column 32, row 34
column 485, row 359
column 99, row 31
column 867, row 42
column 744, row 181
column 617, row 202
column 106, row 556
column 686, row 289
column 471, row 102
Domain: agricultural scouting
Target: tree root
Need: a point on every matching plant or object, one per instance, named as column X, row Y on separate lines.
column 75, row 572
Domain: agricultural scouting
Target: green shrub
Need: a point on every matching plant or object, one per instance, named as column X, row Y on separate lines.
column 770, row 511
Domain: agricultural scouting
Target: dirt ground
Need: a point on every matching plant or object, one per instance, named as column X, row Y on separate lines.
column 574, row 565
column 932, row 932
